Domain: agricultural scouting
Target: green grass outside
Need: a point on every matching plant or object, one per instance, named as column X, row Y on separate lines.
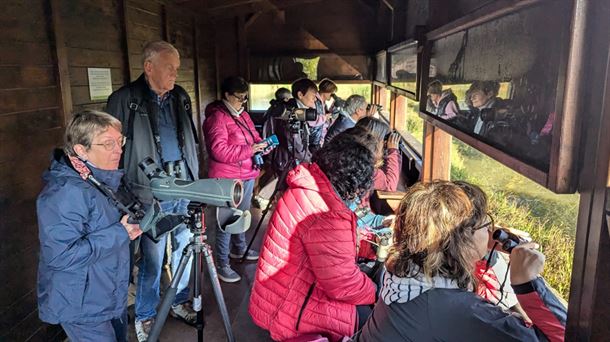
column 518, row 202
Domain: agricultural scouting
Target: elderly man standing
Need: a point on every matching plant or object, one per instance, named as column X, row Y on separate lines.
column 156, row 118
column 355, row 109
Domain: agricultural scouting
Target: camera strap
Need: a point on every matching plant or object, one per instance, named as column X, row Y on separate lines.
column 85, row 173
column 243, row 126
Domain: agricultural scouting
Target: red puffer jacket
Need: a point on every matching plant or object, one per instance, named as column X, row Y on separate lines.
column 229, row 143
column 307, row 280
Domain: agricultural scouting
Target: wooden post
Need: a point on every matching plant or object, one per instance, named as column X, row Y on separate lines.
column 437, row 154
column 400, row 111
column 61, row 58
column 198, row 94
column 122, row 7
column 164, row 24
column 242, row 47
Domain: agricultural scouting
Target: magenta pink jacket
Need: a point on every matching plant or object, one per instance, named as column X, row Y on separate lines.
column 229, row 140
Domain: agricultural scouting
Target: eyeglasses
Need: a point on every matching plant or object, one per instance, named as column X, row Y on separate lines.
column 241, row 98
column 109, row 145
column 490, row 224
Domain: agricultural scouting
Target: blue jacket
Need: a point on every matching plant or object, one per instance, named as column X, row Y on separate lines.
column 342, row 123
column 83, row 270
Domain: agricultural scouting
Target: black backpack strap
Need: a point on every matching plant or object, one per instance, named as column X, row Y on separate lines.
column 184, row 104
column 134, row 105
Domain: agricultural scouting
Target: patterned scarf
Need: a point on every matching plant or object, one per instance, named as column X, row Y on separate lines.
column 80, row 167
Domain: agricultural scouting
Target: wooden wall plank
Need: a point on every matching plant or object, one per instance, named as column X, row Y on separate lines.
column 20, row 100
column 23, row 21
column 26, row 76
column 95, row 58
column 144, row 18
column 18, row 53
column 80, row 94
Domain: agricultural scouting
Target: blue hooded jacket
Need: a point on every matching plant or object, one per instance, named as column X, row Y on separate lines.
column 83, row 270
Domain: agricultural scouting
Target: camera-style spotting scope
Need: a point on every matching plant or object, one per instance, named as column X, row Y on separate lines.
column 216, row 192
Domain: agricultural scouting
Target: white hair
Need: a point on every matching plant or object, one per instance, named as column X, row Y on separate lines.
column 152, row 49
column 353, row 103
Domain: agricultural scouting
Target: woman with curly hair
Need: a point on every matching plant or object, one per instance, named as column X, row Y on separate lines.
column 307, row 281
column 441, row 230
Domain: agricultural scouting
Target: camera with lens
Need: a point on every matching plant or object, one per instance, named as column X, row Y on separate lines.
column 508, row 240
column 383, row 238
column 284, row 111
column 257, row 159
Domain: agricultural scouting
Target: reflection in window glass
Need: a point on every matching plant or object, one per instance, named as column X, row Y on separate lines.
column 519, row 203
column 261, row 94
column 380, row 73
column 310, row 66
column 498, row 81
column 410, row 122
column 403, row 71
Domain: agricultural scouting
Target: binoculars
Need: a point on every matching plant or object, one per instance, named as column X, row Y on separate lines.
column 507, row 239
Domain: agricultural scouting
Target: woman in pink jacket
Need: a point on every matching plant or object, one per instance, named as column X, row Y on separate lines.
column 231, row 142
column 307, row 281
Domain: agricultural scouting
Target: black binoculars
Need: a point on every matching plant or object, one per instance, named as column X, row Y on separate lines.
column 507, row 240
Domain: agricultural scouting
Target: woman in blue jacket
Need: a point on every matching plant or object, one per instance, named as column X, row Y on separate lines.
column 83, row 271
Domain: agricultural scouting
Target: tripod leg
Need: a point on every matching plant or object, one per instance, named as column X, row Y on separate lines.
column 218, row 293
column 170, row 295
column 197, row 300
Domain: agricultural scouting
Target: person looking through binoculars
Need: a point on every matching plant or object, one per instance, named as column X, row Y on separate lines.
column 355, row 108
column 232, row 143
column 441, row 230
column 318, row 128
column 387, row 173
column 83, row 270
column 157, row 122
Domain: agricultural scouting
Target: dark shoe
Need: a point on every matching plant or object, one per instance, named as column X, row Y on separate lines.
column 184, row 312
column 252, row 255
column 226, row 274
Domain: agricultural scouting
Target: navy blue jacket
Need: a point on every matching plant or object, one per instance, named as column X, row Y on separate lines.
column 83, row 270
column 458, row 315
column 342, row 123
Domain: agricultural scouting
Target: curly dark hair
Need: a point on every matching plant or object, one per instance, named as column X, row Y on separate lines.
column 348, row 164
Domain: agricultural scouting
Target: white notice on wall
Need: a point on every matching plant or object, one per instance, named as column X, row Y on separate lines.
column 100, row 83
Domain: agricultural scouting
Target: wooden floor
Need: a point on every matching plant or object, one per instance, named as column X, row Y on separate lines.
column 236, row 296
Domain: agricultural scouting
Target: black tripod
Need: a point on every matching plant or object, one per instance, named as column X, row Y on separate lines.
column 292, row 163
column 197, row 246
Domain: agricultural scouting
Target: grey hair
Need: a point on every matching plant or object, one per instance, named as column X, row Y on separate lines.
column 84, row 126
column 152, row 49
column 353, row 103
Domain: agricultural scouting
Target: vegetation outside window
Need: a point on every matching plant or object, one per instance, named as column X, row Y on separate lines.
column 518, row 202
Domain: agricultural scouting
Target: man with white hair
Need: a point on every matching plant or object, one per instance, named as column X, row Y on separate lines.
column 355, row 109
column 157, row 122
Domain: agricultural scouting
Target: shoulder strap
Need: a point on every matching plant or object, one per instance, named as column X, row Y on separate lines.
column 134, row 105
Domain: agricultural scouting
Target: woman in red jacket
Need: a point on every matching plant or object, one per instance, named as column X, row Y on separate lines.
column 231, row 142
column 307, row 280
